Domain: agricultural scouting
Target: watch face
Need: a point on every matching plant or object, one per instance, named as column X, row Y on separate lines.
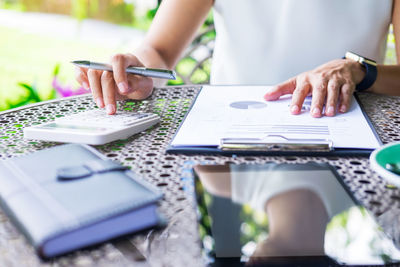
column 360, row 59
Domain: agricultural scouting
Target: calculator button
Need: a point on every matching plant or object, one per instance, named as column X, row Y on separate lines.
column 100, row 118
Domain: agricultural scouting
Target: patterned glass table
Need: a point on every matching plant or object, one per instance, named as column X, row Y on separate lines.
column 178, row 243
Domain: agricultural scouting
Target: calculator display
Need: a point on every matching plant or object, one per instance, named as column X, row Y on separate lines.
column 73, row 128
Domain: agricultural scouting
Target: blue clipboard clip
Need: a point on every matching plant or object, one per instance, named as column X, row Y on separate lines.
column 276, row 143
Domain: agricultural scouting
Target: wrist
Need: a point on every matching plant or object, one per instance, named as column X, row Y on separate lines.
column 358, row 70
column 370, row 69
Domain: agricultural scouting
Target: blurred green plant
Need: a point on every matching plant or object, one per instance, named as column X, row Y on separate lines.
column 31, row 94
column 64, row 90
column 195, row 66
column 151, row 13
column 29, row 97
column 11, row 4
column 30, row 58
column 255, row 227
column 80, row 10
column 116, row 11
column 143, row 22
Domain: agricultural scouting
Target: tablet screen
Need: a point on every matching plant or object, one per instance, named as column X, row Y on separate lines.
column 303, row 214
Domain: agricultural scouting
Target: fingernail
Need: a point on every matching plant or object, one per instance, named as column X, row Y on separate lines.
column 330, row 110
column 316, row 112
column 110, row 109
column 294, row 109
column 99, row 102
column 343, row 108
column 85, row 85
column 123, row 87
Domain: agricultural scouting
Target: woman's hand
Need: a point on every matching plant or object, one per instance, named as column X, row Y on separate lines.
column 331, row 85
column 107, row 87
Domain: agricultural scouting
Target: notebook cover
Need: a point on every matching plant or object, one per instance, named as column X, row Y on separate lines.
column 44, row 207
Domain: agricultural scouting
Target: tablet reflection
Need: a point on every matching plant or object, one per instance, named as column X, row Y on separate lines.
column 259, row 214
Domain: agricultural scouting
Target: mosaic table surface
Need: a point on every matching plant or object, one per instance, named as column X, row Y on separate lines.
column 178, row 243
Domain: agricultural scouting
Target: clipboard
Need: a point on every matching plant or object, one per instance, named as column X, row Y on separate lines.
column 274, row 144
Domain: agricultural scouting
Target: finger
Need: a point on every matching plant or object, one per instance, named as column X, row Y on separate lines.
column 108, row 86
column 345, row 96
column 332, row 97
column 133, row 60
column 119, row 64
column 81, row 77
column 301, row 92
column 318, row 99
column 142, row 87
column 281, row 89
column 94, row 77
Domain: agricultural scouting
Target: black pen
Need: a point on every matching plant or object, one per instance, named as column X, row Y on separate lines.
column 148, row 72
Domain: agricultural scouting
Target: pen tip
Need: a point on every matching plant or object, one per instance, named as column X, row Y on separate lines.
column 173, row 74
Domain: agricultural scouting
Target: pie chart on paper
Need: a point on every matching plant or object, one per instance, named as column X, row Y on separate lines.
column 248, row 105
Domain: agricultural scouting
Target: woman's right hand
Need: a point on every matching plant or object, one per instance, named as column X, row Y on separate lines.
column 107, row 87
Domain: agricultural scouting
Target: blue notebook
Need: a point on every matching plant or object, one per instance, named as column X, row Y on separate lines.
column 70, row 196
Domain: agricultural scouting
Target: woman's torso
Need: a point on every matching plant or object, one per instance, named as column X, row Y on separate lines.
column 269, row 41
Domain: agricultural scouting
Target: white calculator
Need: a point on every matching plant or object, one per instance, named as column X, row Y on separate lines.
column 93, row 127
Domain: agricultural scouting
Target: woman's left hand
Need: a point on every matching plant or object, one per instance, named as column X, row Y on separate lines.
column 331, row 85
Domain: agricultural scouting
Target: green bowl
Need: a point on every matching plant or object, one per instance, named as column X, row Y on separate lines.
column 389, row 153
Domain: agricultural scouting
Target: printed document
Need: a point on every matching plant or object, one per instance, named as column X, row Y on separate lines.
column 241, row 112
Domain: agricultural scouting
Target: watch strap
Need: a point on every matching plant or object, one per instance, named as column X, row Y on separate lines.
column 369, row 79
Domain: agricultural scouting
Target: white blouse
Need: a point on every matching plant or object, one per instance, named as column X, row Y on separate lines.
column 268, row 41
column 255, row 185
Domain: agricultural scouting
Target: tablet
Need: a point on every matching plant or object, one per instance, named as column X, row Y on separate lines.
column 285, row 214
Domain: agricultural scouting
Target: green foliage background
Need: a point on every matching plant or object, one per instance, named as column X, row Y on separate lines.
column 32, row 62
column 27, row 60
